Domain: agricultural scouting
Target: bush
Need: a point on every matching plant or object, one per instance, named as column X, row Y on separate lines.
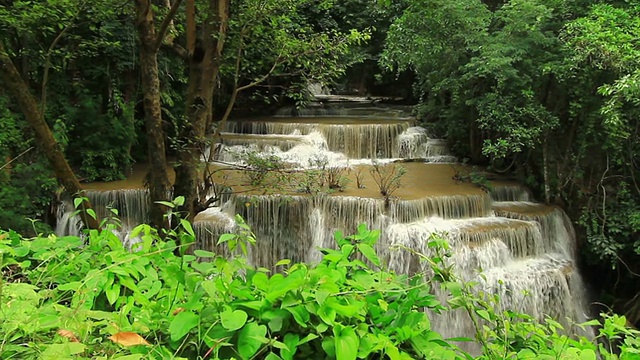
column 94, row 298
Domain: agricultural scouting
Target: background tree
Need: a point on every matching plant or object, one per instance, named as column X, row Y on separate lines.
column 19, row 25
column 546, row 90
column 253, row 41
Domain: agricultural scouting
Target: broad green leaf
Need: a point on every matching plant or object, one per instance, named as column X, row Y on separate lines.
column 233, row 320
column 392, row 351
column 300, row 314
column 112, row 293
column 484, row 314
column 62, row 351
column 261, row 281
column 21, row 251
column 182, row 324
column 329, row 347
column 187, row 227
column 346, row 343
column 327, row 314
column 292, row 341
column 226, row 237
column 369, row 253
column 275, row 324
column 321, row 296
column 588, row 354
column 279, row 286
column 250, row 339
column 77, row 201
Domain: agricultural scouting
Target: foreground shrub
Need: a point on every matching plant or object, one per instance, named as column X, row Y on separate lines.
column 93, row 298
column 67, row 297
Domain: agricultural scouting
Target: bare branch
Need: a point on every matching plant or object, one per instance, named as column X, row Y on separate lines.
column 15, row 158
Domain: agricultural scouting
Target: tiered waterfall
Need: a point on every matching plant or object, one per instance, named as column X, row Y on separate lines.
column 525, row 250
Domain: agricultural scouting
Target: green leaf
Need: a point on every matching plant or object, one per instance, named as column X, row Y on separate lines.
column 74, row 286
column 77, row 201
column 187, row 227
column 226, row 237
column 21, row 251
column 62, row 351
column 588, row 354
column 166, row 203
column 260, row 281
column 292, row 341
column 233, row 320
column 92, row 213
column 275, row 324
column 308, row 338
column 283, row 262
column 346, row 343
column 484, row 314
column 112, row 293
column 250, row 339
column 182, row 324
column 369, row 253
column 327, row 314
column 300, row 314
column 272, row 356
column 204, row 254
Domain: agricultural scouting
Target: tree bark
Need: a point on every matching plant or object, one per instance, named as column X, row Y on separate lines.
column 157, row 178
column 19, row 90
column 204, row 64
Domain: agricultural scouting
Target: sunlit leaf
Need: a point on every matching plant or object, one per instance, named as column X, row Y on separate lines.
column 250, row 339
column 346, row 343
column 233, row 320
column 68, row 334
column 127, row 338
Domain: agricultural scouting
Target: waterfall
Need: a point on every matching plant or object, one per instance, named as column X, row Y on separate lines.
column 509, row 192
column 520, row 250
column 132, row 206
column 355, row 139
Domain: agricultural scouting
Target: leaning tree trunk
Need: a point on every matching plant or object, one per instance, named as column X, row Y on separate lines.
column 17, row 88
column 204, row 63
column 157, row 178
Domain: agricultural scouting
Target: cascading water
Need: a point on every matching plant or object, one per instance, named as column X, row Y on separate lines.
column 131, row 205
column 525, row 250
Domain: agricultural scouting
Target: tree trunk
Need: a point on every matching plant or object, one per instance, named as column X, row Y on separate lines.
column 204, row 64
column 157, row 178
column 545, row 169
column 19, row 90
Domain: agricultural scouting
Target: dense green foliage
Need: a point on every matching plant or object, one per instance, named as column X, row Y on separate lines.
column 547, row 90
column 81, row 61
column 26, row 184
column 66, row 297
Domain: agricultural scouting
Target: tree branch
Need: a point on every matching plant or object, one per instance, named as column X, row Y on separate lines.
column 15, row 158
column 168, row 20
